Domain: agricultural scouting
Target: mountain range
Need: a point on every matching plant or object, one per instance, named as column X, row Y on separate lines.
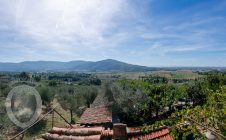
column 107, row 65
column 87, row 66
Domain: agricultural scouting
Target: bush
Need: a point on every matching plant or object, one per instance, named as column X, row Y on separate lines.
column 37, row 78
column 37, row 127
column 52, row 83
column 46, row 95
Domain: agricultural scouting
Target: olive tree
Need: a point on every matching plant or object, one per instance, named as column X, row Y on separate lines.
column 89, row 94
column 70, row 99
column 46, row 94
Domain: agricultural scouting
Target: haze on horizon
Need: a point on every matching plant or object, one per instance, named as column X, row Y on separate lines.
column 149, row 32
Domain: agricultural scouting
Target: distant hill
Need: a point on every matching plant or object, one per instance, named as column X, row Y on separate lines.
column 85, row 66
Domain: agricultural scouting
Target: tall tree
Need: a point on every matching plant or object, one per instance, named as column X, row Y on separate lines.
column 216, row 80
column 24, row 76
column 130, row 100
column 196, row 93
column 156, row 98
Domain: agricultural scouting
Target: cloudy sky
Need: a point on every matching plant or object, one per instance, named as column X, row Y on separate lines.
column 148, row 32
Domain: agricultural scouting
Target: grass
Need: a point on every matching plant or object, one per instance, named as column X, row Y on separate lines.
column 178, row 74
column 182, row 74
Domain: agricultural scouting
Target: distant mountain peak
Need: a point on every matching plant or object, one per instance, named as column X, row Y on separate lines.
column 110, row 60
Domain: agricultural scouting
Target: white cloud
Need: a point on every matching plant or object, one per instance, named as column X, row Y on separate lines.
column 63, row 29
column 60, row 21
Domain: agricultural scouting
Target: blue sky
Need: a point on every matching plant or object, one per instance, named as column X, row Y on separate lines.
column 148, row 32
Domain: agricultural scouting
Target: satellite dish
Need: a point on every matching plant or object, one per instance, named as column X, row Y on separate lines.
column 210, row 135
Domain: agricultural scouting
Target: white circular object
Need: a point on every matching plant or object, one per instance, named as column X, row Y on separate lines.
column 209, row 135
column 23, row 105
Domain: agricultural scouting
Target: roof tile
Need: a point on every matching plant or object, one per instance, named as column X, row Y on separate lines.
column 96, row 115
column 162, row 134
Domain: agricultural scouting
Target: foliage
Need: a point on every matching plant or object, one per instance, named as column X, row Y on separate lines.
column 146, row 128
column 4, row 89
column 46, row 95
column 68, row 76
column 216, row 80
column 155, row 79
column 196, row 92
column 211, row 114
column 52, row 83
column 5, row 123
column 185, row 132
column 71, row 98
column 138, row 100
column 37, row 78
column 38, row 127
column 90, row 81
column 95, row 81
column 90, row 95
column 151, row 101
column 24, row 76
column 129, row 96
column 80, row 78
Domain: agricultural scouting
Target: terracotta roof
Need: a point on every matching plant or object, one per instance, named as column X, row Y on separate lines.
column 161, row 134
column 65, row 137
column 96, row 115
column 98, row 133
column 78, row 133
